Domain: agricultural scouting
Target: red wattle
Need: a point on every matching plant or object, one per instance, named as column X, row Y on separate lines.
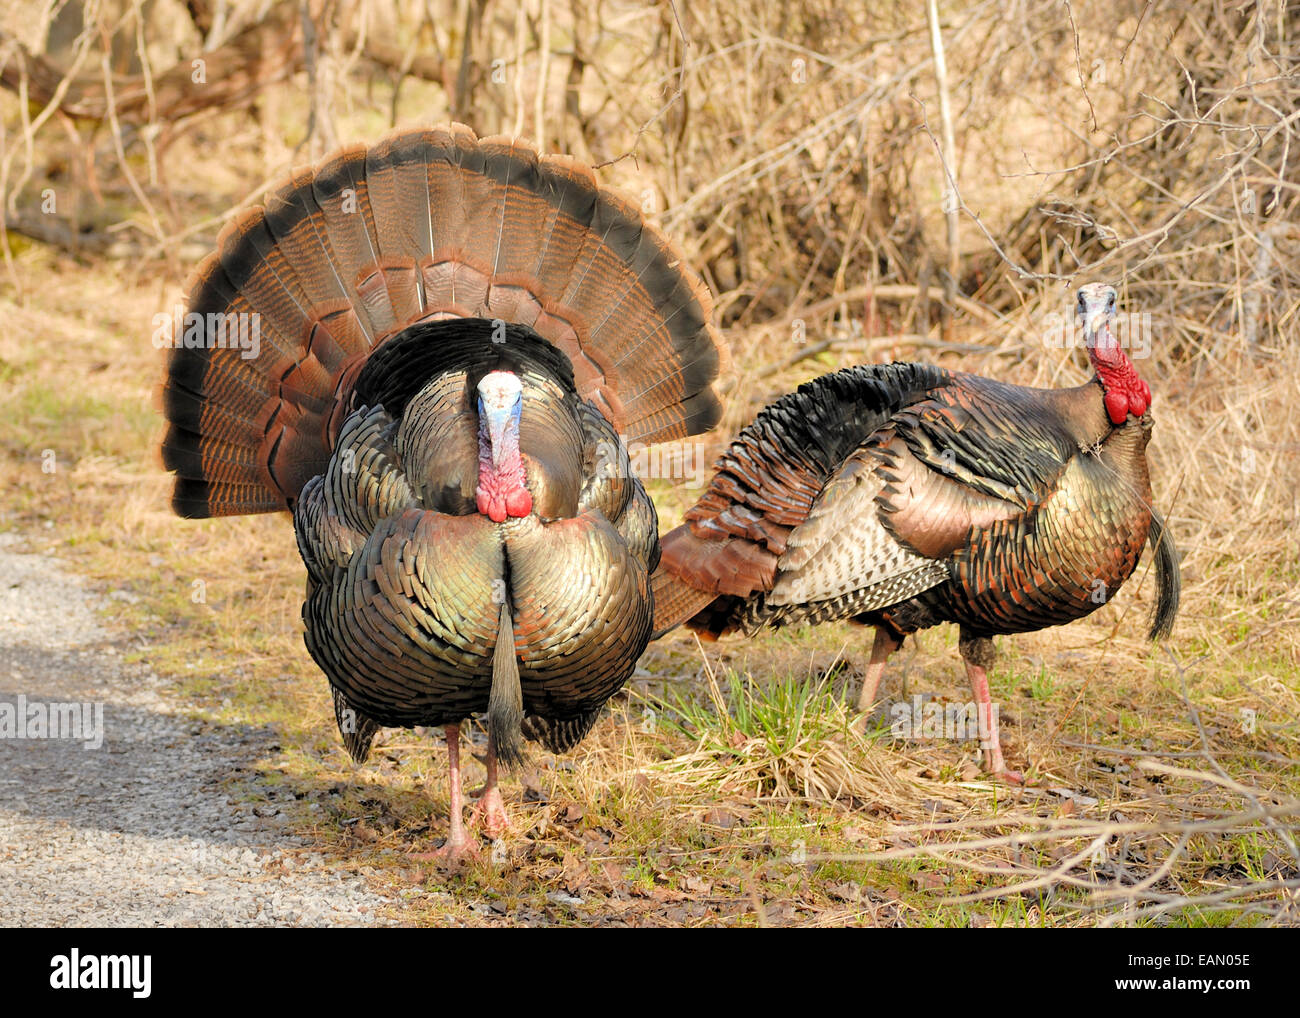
column 1117, row 407
column 519, row 502
column 497, row 502
column 1125, row 392
column 502, row 489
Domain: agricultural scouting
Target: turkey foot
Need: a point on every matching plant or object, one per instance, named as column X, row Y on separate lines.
column 458, row 847
column 996, row 766
column 978, row 653
column 1008, row 777
column 491, row 809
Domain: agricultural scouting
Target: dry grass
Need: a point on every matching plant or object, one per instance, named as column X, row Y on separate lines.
column 1165, row 780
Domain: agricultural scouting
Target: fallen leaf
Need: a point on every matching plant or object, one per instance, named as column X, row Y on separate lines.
column 613, row 873
column 856, row 835
column 573, row 873
column 533, row 790
column 847, row 891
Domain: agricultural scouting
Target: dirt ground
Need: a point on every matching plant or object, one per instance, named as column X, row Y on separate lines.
column 138, row 830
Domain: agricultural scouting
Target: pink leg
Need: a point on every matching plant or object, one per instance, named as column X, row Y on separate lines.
column 978, row 654
column 458, row 844
column 885, row 644
column 490, row 806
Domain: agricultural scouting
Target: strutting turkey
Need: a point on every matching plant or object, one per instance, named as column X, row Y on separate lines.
column 457, row 336
column 904, row 495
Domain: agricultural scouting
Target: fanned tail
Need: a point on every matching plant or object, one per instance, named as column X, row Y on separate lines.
column 426, row 225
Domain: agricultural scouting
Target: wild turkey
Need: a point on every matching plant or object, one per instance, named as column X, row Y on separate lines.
column 455, row 336
column 904, row 495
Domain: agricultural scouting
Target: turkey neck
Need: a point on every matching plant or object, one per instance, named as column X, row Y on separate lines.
column 502, row 490
column 439, row 439
column 1115, row 448
column 1124, row 452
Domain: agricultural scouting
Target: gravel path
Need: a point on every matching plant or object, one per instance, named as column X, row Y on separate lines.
column 139, row 831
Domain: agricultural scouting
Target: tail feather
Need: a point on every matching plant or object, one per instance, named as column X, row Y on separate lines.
column 357, row 729
column 1169, row 579
column 676, row 601
column 307, row 265
column 559, row 735
column 276, row 295
column 396, row 188
column 342, row 204
column 524, row 214
column 446, row 185
column 505, row 714
column 426, row 225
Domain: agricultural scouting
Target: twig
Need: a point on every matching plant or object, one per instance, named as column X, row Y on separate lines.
column 950, row 205
column 1078, row 64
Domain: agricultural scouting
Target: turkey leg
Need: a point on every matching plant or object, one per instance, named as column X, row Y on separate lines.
column 979, row 655
column 885, row 644
column 458, row 844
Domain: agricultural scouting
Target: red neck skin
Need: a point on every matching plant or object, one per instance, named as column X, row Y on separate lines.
column 1125, row 391
column 502, row 486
